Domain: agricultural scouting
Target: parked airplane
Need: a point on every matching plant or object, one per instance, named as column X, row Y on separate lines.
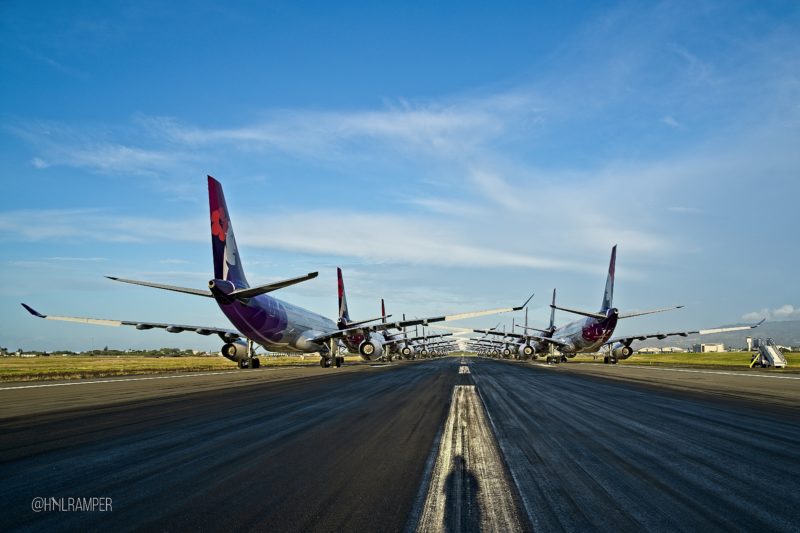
column 595, row 331
column 258, row 318
column 376, row 344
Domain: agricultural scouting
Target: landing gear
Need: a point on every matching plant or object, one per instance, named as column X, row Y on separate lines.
column 329, row 359
column 250, row 362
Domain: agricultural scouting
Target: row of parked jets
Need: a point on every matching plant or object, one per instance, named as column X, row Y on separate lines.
column 260, row 320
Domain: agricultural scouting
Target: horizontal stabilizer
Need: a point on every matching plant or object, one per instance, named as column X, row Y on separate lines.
column 534, row 329
column 598, row 316
column 652, row 311
column 255, row 291
column 362, row 322
column 196, row 292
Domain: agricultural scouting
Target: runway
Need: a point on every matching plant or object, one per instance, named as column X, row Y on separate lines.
column 398, row 448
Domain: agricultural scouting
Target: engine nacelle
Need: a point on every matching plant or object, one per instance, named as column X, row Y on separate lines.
column 567, row 350
column 621, row 351
column 235, row 351
column 525, row 351
column 370, row 349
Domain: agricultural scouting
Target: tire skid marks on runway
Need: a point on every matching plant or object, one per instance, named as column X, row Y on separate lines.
column 469, row 487
column 148, row 378
column 655, row 462
column 719, row 372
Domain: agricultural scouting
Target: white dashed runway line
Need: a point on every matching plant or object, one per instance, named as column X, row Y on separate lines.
column 469, row 488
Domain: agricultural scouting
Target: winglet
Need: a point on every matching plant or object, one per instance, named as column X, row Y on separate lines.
column 526, row 302
column 33, row 311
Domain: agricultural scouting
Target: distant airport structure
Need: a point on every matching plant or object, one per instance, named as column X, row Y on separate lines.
column 708, row 347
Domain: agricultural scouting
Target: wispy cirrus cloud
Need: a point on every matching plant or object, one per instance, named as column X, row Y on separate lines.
column 418, row 241
column 518, row 153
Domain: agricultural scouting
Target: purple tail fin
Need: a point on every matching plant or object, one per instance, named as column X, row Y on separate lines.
column 608, row 295
column 344, row 314
column 227, row 262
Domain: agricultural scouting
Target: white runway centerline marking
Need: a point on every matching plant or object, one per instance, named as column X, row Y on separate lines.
column 463, row 369
column 469, row 489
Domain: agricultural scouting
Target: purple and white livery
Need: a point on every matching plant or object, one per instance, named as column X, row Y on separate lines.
column 260, row 319
column 595, row 331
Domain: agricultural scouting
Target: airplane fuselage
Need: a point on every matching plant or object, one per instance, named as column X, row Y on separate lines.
column 585, row 335
column 276, row 325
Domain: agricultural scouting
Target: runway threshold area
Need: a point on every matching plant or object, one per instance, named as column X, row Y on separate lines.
column 433, row 445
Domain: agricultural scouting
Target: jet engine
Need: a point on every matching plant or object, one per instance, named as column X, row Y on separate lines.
column 567, row 350
column 621, row 351
column 525, row 351
column 370, row 349
column 235, row 351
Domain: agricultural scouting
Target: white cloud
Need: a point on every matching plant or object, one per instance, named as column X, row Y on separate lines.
column 670, row 121
column 683, row 209
column 40, row 163
column 79, row 259
column 370, row 237
column 784, row 312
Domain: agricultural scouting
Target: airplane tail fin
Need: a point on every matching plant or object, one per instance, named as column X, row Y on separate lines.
column 383, row 311
column 227, row 262
column 608, row 295
column 553, row 313
column 344, row 313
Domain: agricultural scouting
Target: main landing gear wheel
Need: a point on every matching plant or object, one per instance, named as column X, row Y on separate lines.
column 243, row 363
column 339, row 361
column 324, row 362
column 605, row 360
column 256, row 363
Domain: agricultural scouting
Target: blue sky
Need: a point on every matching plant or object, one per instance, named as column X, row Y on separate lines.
column 449, row 156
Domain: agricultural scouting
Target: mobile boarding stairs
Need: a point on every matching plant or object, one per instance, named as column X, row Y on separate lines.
column 768, row 355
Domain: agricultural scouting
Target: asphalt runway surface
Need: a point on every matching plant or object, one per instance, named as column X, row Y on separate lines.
column 422, row 446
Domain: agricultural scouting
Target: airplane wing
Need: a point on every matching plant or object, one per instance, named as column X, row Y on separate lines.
column 400, row 324
column 627, row 340
column 503, row 334
column 418, row 337
column 226, row 334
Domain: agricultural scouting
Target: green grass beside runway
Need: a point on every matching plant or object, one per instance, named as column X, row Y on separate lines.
column 78, row 367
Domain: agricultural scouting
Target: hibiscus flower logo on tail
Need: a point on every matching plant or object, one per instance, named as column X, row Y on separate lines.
column 219, row 225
